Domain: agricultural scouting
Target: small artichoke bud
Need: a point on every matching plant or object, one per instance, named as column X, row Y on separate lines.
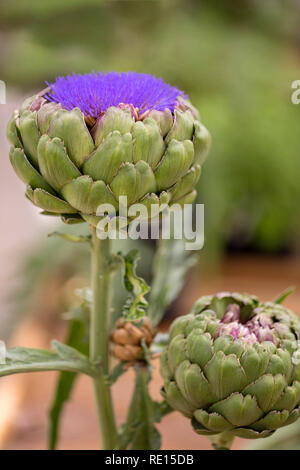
column 127, row 353
column 87, row 140
column 232, row 365
column 127, row 339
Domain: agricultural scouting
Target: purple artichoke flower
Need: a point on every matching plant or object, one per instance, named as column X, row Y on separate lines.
column 89, row 139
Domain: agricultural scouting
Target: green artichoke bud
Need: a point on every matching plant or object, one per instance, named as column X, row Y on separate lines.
column 75, row 158
column 233, row 365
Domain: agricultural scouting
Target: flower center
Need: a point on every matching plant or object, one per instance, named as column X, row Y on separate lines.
column 93, row 93
column 256, row 330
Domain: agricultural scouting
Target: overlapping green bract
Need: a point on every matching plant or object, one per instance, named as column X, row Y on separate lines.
column 224, row 382
column 71, row 163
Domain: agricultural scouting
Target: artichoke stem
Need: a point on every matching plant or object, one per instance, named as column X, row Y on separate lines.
column 222, row 441
column 101, row 283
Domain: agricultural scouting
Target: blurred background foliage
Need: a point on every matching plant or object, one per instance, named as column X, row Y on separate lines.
column 236, row 59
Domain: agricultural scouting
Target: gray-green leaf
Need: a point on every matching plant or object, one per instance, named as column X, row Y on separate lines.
column 171, row 263
column 139, row 432
column 66, row 381
column 19, row 360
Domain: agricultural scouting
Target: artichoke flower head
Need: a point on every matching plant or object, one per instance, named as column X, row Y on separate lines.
column 233, row 365
column 89, row 139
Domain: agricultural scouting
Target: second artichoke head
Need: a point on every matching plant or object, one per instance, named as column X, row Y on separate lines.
column 233, row 364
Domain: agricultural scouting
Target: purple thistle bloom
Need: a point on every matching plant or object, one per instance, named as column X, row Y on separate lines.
column 93, row 93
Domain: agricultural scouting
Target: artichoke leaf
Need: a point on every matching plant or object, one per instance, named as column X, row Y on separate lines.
column 13, row 133
column 48, row 202
column 183, row 127
column 202, row 142
column 86, row 195
column 105, row 161
column 30, row 135
column 267, row 390
column 114, row 119
column 239, row 410
column 273, row 420
column 174, row 164
column 186, row 184
column 148, row 142
column 54, row 163
column 26, row 172
column 133, row 181
column 71, row 128
column 225, row 374
column 212, row 421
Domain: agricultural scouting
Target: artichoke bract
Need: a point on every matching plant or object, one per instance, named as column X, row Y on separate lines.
column 233, row 365
column 88, row 139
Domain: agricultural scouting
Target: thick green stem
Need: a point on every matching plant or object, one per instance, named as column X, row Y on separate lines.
column 222, row 441
column 101, row 283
